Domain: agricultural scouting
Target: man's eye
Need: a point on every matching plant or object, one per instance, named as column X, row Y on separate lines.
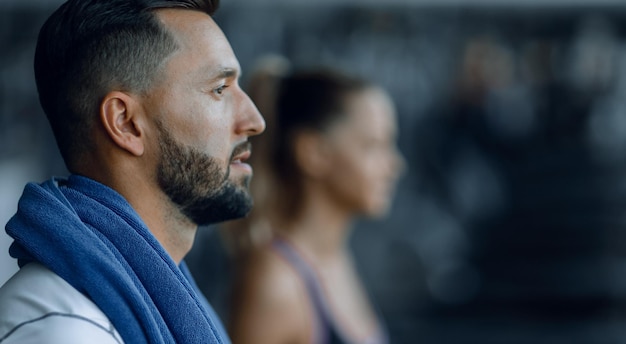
column 220, row 90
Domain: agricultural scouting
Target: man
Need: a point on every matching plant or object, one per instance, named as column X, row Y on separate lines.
column 144, row 102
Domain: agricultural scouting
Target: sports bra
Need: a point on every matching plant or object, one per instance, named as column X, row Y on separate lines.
column 325, row 327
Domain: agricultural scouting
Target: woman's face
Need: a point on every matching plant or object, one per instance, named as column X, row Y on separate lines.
column 363, row 154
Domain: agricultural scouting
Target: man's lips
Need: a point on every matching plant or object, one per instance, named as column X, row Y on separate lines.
column 241, row 153
column 240, row 158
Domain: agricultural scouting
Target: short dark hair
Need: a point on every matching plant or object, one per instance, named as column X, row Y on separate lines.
column 88, row 48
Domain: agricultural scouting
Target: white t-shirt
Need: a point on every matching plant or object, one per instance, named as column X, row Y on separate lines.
column 37, row 306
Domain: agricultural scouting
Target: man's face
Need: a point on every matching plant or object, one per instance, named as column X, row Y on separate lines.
column 202, row 121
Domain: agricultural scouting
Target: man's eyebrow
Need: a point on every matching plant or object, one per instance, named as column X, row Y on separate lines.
column 221, row 73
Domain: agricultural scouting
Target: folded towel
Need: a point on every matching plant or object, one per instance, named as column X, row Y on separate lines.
column 88, row 234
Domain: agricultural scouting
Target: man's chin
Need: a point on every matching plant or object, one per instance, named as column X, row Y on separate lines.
column 233, row 202
column 242, row 181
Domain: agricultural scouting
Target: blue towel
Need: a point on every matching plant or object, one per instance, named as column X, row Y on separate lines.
column 89, row 235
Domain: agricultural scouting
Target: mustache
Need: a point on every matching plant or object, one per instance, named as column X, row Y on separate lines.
column 240, row 148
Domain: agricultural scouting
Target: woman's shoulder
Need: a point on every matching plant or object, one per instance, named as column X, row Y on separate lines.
column 271, row 304
column 267, row 272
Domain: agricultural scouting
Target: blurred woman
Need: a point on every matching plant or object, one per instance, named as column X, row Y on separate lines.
column 332, row 157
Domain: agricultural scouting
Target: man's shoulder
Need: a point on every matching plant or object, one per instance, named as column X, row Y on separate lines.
column 36, row 304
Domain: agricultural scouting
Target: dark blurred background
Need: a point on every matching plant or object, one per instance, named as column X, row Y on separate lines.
column 508, row 226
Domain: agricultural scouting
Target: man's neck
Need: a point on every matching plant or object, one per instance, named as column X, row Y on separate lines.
column 174, row 231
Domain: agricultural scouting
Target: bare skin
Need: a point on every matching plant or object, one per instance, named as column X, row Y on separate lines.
column 274, row 307
column 199, row 101
column 347, row 171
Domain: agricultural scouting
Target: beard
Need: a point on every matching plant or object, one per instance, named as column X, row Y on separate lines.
column 198, row 185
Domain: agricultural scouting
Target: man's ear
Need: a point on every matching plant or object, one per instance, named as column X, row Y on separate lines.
column 121, row 116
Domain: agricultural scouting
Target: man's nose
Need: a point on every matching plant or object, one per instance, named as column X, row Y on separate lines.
column 251, row 122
